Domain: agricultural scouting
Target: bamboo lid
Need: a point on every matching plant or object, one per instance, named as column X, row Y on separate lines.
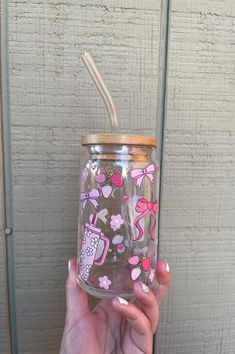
column 115, row 139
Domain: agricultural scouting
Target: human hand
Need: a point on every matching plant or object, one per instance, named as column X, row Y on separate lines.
column 115, row 326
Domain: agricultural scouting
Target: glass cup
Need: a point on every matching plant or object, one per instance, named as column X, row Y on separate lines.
column 118, row 214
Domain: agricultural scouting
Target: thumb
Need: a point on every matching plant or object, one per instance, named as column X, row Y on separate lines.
column 76, row 298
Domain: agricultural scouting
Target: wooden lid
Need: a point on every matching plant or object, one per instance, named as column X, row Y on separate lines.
column 119, row 139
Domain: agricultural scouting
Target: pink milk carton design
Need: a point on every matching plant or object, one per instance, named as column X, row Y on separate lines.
column 94, row 249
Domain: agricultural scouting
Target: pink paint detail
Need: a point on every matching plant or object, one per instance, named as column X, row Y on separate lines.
column 100, row 215
column 104, row 282
column 138, row 174
column 145, row 207
column 106, row 248
column 134, row 260
column 135, row 273
column 116, row 179
column 90, row 243
column 92, row 197
column 120, row 247
column 106, row 191
column 145, row 264
column 125, row 198
column 94, row 218
column 100, row 178
column 92, row 281
column 116, row 222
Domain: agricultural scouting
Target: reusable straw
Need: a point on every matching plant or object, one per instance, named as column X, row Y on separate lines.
column 102, row 88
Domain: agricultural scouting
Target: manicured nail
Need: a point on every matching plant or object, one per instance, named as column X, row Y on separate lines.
column 167, row 267
column 122, row 301
column 144, row 287
column 69, row 265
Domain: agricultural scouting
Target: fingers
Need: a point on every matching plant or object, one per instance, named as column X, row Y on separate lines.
column 76, row 298
column 147, row 302
column 145, row 315
column 140, row 329
column 136, row 318
column 163, row 280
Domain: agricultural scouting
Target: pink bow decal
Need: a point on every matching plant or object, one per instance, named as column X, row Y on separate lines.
column 139, row 174
column 91, row 196
column 144, row 207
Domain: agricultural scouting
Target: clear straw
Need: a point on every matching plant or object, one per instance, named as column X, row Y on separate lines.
column 102, row 88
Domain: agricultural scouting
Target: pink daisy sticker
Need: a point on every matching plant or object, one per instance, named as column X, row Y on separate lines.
column 116, row 222
column 104, row 282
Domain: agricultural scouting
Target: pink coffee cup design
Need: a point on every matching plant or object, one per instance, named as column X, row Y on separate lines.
column 95, row 247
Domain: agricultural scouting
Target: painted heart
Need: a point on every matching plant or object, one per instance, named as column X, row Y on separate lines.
column 135, row 273
column 100, row 178
column 125, row 198
column 92, row 281
column 145, row 264
column 93, row 166
column 106, row 191
column 133, row 260
column 120, row 248
column 116, row 179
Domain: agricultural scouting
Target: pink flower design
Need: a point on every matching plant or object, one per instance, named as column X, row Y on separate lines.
column 104, row 282
column 116, row 222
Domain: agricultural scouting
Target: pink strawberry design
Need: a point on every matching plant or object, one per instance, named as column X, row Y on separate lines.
column 116, row 179
column 145, row 264
column 106, row 191
column 133, row 260
column 135, row 273
column 100, row 178
column 141, row 263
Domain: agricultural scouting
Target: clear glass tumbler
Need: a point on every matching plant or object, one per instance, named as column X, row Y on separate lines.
column 118, row 214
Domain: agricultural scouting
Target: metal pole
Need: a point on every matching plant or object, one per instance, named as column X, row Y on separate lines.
column 162, row 97
column 7, row 178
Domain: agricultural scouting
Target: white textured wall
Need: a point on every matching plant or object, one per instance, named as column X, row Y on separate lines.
column 53, row 101
column 198, row 206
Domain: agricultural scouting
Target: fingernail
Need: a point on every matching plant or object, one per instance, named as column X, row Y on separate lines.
column 144, row 287
column 167, row 267
column 122, row 301
column 69, row 265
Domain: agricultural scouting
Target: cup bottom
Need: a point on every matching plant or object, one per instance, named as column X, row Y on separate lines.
column 104, row 294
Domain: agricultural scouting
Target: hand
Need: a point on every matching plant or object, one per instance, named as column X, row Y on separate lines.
column 113, row 326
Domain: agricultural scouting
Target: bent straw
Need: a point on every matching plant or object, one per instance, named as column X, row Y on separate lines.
column 102, row 88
